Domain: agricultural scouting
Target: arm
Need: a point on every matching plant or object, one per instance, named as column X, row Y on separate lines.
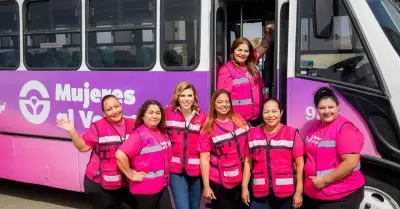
column 263, row 48
column 224, row 80
column 246, row 173
column 349, row 162
column 123, row 164
column 205, row 168
column 299, row 174
column 77, row 139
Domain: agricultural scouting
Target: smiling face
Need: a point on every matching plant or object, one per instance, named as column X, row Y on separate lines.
column 241, row 53
column 222, row 104
column 112, row 110
column 328, row 110
column 152, row 116
column 271, row 114
column 186, row 99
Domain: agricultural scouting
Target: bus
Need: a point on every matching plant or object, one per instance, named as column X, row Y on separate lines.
column 59, row 57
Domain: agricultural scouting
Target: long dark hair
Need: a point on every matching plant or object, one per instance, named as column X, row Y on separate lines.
column 142, row 110
column 251, row 61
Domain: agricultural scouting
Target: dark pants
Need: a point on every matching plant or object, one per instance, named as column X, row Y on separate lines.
column 351, row 201
column 160, row 200
column 226, row 198
column 271, row 202
column 100, row 198
column 186, row 191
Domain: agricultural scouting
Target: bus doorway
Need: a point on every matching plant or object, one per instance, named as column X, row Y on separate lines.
column 246, row 18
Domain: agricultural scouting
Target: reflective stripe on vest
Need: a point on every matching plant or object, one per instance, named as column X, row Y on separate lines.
column 242, row 102
column 178, row 124
column 256, row 143
column 152, row 175
column 112, row 178
column 108, row 139
column 283, row 181
column 154, row 148
column 227, row 136
column 231, row 173
column 331, row 144
column 281, row 143
column 191, row 161
column 240, row 81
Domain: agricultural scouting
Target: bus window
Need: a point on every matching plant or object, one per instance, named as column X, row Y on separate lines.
column 9, row 36
column 341, row 58
column 180, row 34
column 121, row 34
column 52, row 36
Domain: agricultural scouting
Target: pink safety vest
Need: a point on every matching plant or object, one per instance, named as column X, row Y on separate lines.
column 328, row 159
column 226, row 155
column 244, row 92
column 184, row 141
column 153, row 159
column 109, row 140
column 273, row 163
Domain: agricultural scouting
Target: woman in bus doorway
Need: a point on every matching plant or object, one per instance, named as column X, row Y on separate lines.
column 104, row 184
column 241, row 78
column 332, row 170
column 222, row 144
column 145, row 158
column 275, row 160
column 184, row 120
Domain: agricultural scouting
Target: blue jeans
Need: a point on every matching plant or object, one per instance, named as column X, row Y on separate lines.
column 186, row 191
column 271, row 202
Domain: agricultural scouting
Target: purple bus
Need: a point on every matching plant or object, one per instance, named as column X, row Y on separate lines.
column 59, row 57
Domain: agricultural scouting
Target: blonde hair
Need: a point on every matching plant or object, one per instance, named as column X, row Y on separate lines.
column 212, row 113
column 182, row 86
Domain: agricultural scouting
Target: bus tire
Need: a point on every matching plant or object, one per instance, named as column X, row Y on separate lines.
column 380, row 194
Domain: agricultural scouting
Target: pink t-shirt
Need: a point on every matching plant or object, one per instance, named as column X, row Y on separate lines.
column 133, row 146
column 205, row 145
column 91, row 139
column 346, row 143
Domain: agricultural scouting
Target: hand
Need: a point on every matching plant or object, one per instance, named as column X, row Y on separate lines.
column 269, row 29
column 297, row 200
column 246, row 197
column 209, row 194
column 318, row 182
column 65, row 124
column 138, row 176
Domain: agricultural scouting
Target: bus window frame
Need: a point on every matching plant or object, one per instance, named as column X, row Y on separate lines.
column 18, row 34
column 119, row 28
column 26, row 33
column 162, row 42
column 380, row 90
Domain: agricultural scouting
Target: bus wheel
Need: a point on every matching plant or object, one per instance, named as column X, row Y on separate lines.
column 379, row 195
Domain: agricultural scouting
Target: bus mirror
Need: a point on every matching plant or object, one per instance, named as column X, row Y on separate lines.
column 323, row 19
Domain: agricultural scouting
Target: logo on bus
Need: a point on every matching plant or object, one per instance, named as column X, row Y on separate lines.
column 36, row 104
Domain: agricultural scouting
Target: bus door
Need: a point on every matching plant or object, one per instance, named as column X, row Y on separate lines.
column 219, row 34
column 281, row 54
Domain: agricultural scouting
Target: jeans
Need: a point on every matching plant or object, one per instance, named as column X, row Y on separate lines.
column 186, row 191
column 271, row 202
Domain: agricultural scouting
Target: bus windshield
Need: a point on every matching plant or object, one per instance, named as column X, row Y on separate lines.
column 387, row 14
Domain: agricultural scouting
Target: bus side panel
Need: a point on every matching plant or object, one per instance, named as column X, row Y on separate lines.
column 301, row 112
column 6, row 156
column 45, row 162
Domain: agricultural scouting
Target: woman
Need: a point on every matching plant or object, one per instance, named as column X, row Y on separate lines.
column 145, row 158
column 276, row 161
column 332, row 170
column 184, row 120
column 241, row 78
column 222, row 144
column 104, row 182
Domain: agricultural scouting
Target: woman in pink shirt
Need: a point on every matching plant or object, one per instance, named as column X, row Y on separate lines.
column 103, row 137
column 332, row 170
column 241, row 78
column 222, row 143
column 145, row 158
column 275, row 162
